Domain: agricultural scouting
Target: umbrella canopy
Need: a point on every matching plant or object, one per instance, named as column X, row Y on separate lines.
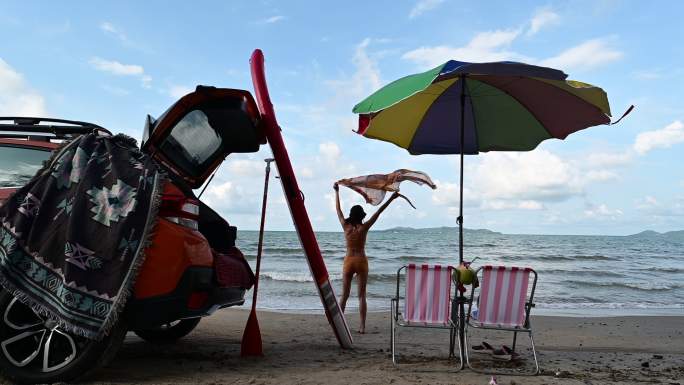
column 508, row 106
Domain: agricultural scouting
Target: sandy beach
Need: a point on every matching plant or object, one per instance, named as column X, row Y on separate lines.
column 301, row 349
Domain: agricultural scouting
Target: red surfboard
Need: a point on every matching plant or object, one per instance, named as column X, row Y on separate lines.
column 295, row 201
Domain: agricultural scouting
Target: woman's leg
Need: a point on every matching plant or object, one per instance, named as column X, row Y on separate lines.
column 362, row 278
column 346, row 288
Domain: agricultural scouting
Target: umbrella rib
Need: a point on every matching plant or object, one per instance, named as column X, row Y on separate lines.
column 472, row 113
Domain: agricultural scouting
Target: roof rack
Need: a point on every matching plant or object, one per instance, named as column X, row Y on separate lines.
column 55, row 128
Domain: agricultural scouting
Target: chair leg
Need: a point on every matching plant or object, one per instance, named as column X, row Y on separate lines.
column 393, row 329
column 467, row 356
column 460, row 350
column 515, row 337
column 451, row 342
column 534, row 353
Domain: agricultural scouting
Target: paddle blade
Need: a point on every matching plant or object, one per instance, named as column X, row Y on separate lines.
column 251, row 339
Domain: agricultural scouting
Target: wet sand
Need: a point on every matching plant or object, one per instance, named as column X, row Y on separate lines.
column 301, row 349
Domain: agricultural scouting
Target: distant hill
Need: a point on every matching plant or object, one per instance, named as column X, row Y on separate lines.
column 469, row 231
column 670, row 235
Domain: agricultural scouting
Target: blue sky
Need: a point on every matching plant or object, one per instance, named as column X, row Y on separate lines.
column 113, row 63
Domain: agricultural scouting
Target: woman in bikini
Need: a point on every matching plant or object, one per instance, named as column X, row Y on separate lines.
column 356, row 261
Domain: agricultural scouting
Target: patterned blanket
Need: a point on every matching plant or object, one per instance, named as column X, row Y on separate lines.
column 73, row 238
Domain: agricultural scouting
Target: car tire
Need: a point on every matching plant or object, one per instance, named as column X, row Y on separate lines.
column 170, row 332
column 24, row 336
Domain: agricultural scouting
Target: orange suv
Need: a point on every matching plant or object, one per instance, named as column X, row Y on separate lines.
column 192, row 267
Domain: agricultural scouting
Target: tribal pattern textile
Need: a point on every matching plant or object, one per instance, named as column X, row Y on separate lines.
column 73, row 238
column 373, row 187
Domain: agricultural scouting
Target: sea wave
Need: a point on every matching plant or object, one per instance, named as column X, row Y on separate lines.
column 607, row 305
column 651, row 286
column 663, row 269
column 413, row 258
column 554, row 258
column 586, row 273
column 306, row 277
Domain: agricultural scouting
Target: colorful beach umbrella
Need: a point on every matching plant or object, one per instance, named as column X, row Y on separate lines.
column 507, row 106
column 467, row 108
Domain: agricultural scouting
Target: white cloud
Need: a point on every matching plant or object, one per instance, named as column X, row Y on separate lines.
column 600, row 175
column 16, row 97
column 665, row 137
column 365, row 79
column 530, row 205
column 608, row 159
column 116, row 32
column 116, row 68
column 146, row 81
column 423, row 6
column 232, row 197
column 119, row 69
column 506, row 205
column 646, row 203
column 245, row 167
column 525, row 181
column 178, row 91
column 305, row 172
column 447, row 194
column 587, row 55
column 542, row 18
column 484, row 47
column 329, row 151
column 272, row 19
column 602, row 212
column 538, row 175
column 110, row 29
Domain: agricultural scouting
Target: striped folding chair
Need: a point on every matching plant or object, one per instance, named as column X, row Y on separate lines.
column 504, row 304
column 427, row 302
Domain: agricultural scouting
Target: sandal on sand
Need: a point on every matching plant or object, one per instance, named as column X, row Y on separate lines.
column 510, row 352
column 483, row 348
column 501, row 355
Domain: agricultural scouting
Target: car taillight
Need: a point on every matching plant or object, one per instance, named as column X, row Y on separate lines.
column 180, row 209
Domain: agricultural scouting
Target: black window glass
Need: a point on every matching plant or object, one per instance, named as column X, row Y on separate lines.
column 18, row 165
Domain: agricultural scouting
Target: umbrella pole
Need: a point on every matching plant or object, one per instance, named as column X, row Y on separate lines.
column 461, row 297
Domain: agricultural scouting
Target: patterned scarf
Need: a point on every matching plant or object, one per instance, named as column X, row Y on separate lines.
column 73, row 238
column 373, row 187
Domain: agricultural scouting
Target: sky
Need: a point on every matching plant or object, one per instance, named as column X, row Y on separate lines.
column 112, row 63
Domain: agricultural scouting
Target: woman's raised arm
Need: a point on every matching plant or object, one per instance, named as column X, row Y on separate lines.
column 340, row 216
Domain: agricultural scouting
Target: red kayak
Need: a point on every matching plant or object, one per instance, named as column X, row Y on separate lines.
column 295, row 201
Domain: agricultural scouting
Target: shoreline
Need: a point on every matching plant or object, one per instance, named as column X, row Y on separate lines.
column 301, row 349
column 561, row 313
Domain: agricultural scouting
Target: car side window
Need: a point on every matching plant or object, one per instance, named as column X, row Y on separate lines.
column 19, row 164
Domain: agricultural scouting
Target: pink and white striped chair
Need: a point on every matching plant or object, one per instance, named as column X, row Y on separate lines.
column 427, row 302
column 504, row 304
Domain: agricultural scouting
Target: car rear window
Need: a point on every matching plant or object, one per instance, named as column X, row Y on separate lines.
column 193, row 143
column 19, row 164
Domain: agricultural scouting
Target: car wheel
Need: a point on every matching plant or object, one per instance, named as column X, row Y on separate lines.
column 34, row 349
column 170, row 332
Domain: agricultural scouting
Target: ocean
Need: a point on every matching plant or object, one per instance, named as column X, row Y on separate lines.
column 578, row 274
